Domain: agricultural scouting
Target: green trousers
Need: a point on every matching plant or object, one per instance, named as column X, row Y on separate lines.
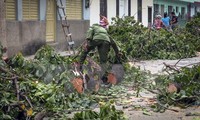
column 103, row 50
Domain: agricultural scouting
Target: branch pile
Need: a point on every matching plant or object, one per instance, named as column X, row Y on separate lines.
column 139, row 42
column 38, row 87
column 180, row 87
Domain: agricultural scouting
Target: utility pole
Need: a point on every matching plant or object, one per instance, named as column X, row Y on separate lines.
column 3, row 23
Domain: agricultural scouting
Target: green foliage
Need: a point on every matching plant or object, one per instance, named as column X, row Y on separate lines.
column 193, row 27
column 107, row 112
column 139, row 42
column 46, row 66
column 122, row 29
column 189, row 82
column 47, row 53
column 44, row 80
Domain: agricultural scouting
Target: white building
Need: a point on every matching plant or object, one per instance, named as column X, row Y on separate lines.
column 194, row 8
column 140, row 9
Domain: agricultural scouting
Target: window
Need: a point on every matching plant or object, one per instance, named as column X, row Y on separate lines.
column 182, row 12
column 10, row 9
column 149, row 16
column 162, row 10
column 74, row 9
column 139, row 10
column 156, row 9
column 103, row 7
column 170, row 9
column 129, row 7
column 30, row 9
column 195, row 10
column 117, row 7
column 177, row 9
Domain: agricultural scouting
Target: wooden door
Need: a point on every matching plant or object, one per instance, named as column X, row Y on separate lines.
column 50, row 21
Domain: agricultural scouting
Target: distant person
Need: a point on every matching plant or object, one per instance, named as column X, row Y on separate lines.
column 174, row 20
column 103, row 21
column 158, row 24
column 166, row 22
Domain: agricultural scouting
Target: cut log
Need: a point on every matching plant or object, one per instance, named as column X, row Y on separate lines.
column 92, row 84
column 173, row 87
column 78, row 84
column 116, row 74
column 112, row 78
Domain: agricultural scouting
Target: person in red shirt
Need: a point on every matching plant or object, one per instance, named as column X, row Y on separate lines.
column 158, row 24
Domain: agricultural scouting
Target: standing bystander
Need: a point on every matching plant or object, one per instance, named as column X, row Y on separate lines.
column 174, row 20
column 158, row 24
column 166, row 22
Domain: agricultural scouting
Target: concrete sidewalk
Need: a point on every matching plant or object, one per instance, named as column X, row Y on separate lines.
column 157, row 66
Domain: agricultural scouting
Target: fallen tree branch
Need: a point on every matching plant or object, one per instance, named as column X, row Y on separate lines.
column 154, row 92
column 178, row 61
column 17, row 88
column 173, row 67
column 7, row 78
column 6, row 71
column 27, row 99
column 171, row 109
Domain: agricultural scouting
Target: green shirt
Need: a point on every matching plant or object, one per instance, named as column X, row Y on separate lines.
column 97, row 32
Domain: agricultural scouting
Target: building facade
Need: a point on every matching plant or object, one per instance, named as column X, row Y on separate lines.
column 182, row 8
column 194, row 8
column 142, row 10
column 32, row 23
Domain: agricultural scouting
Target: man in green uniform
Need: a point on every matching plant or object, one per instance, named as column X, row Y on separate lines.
column 97, row 36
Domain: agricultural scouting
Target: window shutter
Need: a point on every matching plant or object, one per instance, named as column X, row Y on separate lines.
column 74, row 9
column 30, row 9
column 10, row 10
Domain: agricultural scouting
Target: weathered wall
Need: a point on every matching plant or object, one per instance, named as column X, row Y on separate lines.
column 78, row 28
column 2, row 24
column 26, row 36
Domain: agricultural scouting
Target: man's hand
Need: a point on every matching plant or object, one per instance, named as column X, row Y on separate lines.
column 85, row 46
column 119, row 54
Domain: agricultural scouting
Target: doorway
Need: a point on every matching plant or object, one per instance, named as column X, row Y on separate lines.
column 139, row 6
column 149, row 16
column 103, row 7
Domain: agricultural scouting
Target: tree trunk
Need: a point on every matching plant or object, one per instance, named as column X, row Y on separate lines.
column 2, row 24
